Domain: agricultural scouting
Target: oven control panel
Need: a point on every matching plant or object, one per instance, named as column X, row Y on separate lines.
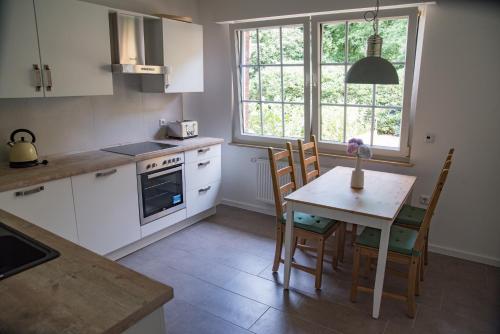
column 154, row 164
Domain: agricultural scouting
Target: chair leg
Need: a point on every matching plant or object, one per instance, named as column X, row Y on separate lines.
column 421, row 268
column 426, row 248
column 277, row 252
column 417, row 279
column 338, row 244
column 412, row 278
column 303, row 241
column 355, row 273
column 354, row 230
column 319, row 262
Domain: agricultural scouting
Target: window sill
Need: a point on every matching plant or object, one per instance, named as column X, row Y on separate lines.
column 333, row 155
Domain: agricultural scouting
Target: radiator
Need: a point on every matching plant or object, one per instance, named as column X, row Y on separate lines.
column 265, row 183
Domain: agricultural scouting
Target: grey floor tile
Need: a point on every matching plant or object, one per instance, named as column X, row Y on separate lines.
column 274, row 321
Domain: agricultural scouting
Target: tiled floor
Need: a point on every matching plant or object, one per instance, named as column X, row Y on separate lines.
column 221, row 273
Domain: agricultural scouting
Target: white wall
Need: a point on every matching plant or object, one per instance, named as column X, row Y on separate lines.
column 74, row 124
column 458, row 100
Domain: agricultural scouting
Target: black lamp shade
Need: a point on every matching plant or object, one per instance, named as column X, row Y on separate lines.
column 372, row 70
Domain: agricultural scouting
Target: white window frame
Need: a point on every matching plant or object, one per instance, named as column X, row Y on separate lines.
column 404, row 150
column 312, row 63
column 238, row 134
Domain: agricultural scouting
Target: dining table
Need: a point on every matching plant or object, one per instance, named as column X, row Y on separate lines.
column 331, row 196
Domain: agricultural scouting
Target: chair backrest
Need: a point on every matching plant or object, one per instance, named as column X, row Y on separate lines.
column 312, row 159
column 278, row 173
column 449, row 157
column 431, row 208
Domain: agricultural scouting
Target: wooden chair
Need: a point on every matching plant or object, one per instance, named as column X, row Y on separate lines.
column 412, row 216
column 308, row 159
column 305, row 226
column 406, row 246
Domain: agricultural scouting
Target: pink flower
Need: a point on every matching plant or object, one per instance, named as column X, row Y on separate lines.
column 352, row 148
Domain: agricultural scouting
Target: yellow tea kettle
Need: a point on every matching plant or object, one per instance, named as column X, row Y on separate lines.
column 23, row 153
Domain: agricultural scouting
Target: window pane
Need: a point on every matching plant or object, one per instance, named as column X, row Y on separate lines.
column 360, row 94
column 250, row 83
column 293, row 83
column 249, row 47
column 332, row 123
column 293, row 45
column 294, row 120
column 391, row 95
column 357, row 36
column 272, row 121
column 333, row 39
column 359, row 123
column 387, row 127
column 269, row 46
column 394, row 32
column 251, row 118
column 271, row 83
column 332, row 83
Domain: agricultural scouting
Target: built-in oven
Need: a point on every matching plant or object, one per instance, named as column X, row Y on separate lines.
column 161, row 187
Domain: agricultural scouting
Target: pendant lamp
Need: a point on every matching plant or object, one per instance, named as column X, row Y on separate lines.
column 373, row 69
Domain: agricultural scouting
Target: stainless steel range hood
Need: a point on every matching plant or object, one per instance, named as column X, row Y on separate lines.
column 128, row 48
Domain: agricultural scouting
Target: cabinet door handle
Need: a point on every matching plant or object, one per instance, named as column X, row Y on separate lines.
column 107, row 173
column 203, row 164
column 48, row 76
column 38, row 77
column 29, row 192
column 204, row 150
column 204, row 190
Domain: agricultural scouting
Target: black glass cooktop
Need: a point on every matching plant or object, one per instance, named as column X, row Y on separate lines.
column 138, row 148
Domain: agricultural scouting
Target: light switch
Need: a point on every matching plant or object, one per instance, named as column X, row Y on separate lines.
column 430, row 138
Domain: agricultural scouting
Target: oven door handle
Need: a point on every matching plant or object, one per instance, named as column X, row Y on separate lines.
column 168, row 171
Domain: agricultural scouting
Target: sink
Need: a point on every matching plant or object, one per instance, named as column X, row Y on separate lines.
column 19, row 252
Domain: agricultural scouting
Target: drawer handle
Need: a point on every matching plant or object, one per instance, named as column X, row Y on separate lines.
column 107, row 173
column 204, row 190
column 38, row 77
column 203, row 164
column 29, row 192
column 48, row 76
column 203, row 150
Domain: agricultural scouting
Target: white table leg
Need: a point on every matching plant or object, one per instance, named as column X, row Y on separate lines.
column 288, row 243
column 379, row 278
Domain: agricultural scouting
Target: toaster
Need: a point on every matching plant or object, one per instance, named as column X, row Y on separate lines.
column 182, row 129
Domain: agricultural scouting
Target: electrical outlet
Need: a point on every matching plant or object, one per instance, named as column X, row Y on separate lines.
column 163, row 122
column 424, row 199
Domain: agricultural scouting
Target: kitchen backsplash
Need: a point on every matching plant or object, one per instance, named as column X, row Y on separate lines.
column 72, row 124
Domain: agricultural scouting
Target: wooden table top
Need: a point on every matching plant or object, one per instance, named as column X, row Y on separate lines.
column 382, row 196
column 78, row 292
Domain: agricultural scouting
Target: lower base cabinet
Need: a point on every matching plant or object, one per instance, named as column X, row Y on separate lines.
column 203, row 198
column 106, row 208
column 48, row 205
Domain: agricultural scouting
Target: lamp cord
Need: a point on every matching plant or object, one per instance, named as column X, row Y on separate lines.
column 373, row 18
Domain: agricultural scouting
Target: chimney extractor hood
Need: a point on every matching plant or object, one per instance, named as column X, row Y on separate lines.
column 127, row 46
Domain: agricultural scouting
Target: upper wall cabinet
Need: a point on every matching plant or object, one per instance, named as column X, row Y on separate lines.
column 20, row 74
column 71, row 56
column 183, row 54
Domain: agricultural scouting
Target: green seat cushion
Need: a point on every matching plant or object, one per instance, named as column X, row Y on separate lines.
column 310, row 223
column 401, row 240
column 410, row 216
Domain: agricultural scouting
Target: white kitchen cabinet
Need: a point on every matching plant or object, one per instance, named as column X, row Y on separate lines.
column 203, row 178
column 19, row 56
column 67, row 40
column 203, row 198
column 106, row 208
column 48, row 205
column 75, row 46
column 183, row 54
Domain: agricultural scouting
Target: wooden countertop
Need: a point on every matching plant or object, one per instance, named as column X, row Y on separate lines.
column 63, row 166
column 78, row 292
